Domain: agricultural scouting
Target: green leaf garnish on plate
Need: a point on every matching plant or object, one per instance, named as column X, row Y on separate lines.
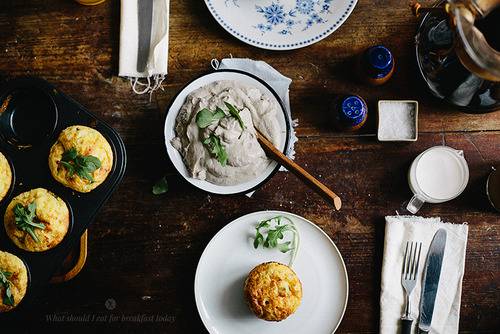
column 269, row 233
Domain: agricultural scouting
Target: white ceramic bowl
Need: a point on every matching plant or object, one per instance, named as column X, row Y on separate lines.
column 176, row 157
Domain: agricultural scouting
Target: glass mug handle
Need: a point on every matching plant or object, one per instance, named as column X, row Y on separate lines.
column 415, row 204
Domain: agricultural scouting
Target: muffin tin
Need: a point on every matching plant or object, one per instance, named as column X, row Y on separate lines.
column 32, row 114
column 74, row 262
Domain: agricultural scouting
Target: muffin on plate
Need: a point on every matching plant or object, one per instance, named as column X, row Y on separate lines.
column 5, row 176
column 273, row 291
column 13, row 281
column 81, row 158
column 36, row 220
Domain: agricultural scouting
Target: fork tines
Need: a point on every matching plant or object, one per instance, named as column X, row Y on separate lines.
column 411, row 260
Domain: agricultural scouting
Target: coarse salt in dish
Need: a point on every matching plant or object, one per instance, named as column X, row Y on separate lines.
column 397, row 120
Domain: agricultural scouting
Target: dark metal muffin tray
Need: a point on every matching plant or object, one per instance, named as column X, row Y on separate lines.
column 32, row 114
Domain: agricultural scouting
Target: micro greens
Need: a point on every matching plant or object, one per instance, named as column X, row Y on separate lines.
column 81, row 165
column 275, row 234
column 26, row 219
column 216, row 148
column 8, row 298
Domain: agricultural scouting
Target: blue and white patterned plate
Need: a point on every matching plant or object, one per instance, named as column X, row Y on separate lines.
column 280, row 24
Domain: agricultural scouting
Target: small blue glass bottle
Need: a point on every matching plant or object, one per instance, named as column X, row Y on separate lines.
column 377, row 65
column 349, row 112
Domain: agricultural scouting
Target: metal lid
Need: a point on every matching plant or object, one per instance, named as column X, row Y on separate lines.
column 353, row 110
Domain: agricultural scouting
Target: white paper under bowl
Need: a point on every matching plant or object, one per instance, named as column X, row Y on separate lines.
column 176, row 157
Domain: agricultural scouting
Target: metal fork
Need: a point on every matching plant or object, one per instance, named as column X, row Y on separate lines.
column 408, row 280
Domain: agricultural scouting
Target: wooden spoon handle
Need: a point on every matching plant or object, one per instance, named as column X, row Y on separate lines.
column 300, row 172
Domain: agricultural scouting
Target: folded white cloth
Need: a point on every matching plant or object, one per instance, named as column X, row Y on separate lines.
column 157, row 63
column 273, row 78
column 399, row 230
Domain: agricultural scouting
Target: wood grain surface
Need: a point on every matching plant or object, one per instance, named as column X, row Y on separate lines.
column 143, row 249
column 314, row 184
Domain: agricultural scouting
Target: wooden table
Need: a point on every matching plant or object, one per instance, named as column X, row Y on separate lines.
column 144, row 249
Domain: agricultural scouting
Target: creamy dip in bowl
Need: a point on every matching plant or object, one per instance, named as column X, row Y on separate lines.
column 244, row 165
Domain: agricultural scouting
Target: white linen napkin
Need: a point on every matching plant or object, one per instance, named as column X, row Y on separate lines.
column 273, row 78
column 399, row 230
column 157, row 64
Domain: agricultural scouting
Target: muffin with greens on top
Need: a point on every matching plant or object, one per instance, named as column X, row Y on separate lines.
column 5, row 176
column 36, row 220
column 13, row 281
column 81, row 159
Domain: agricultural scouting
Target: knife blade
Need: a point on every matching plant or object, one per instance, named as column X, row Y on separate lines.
column 145, row 19
column 432, row 273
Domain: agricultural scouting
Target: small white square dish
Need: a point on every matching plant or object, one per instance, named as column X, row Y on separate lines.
column 397, row 120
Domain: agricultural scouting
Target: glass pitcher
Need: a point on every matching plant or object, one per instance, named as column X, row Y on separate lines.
column 457, row 49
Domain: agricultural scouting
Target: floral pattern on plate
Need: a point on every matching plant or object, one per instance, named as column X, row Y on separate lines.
column 283, row 20
column 280, row 24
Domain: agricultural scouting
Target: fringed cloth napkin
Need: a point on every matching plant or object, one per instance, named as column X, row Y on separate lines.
column 399, row 230
column 157, row 62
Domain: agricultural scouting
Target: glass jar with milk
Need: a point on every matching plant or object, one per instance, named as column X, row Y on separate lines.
column 437, row 175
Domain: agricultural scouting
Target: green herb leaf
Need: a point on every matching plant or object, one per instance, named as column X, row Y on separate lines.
column 269, row 236
column 285, row 247
column 259, row 239
column 161, row 186
column 215, row 146
column 205, row 117
column 83, row 166
column 235, row 113
column 25, row 218
column 4, row 275
column 8, row 298
column 91, row 160
column 69, row 155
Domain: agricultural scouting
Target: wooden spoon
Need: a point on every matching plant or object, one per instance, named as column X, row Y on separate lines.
column 301, row 173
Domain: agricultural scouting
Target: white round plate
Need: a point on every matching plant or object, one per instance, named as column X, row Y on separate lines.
column 230, row 256
column 176, row 157
column 280, row 24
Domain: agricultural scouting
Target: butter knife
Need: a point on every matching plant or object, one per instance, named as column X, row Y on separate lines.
column 145, row 19
column 430, row 283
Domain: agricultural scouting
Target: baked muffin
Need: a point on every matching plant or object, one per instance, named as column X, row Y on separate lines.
column 81, row 159
column 36, row 220
column 13, row 281
column 5, row 176
column 273, row 291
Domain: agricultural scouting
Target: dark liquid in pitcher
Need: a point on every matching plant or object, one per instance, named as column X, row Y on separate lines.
column 443, row 71
column 490, row 27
